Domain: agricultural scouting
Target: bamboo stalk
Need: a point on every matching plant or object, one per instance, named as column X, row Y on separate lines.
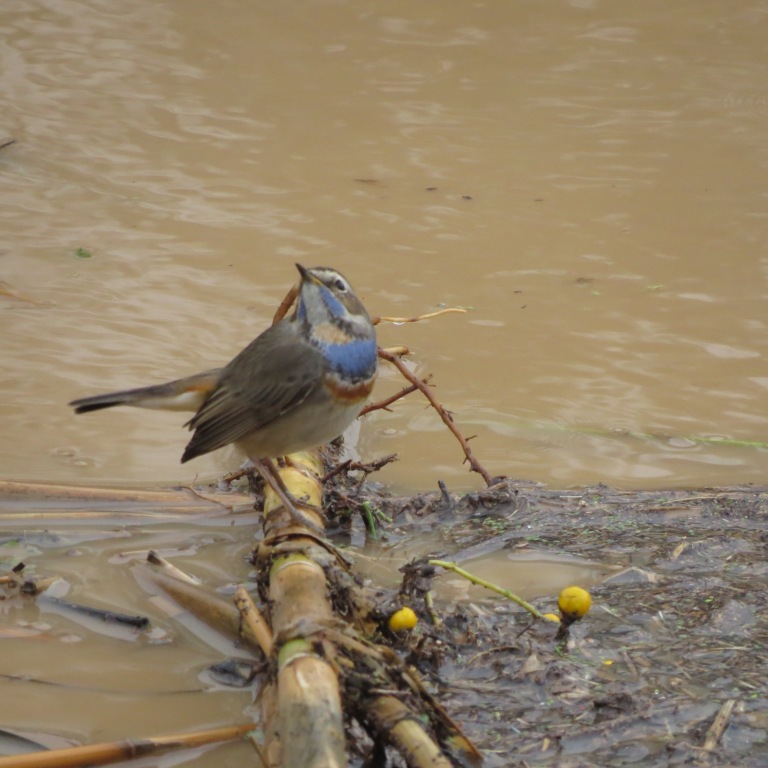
column 309, row 717
column 117, row 751
column 399, row 725
column 271, row 749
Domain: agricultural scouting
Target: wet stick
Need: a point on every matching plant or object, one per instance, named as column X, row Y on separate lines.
column 719, row 724
column 105, row 615
column 21, row 503
column 215, row 612
column 10, row 490
column 252, row 618
column 118, row 751
column 170, row 569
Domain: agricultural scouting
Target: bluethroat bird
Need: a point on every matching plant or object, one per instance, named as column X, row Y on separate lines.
column 299, row 384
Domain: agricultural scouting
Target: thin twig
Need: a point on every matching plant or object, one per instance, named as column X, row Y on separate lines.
column 366, row 468
column 237, row 474
column 418, row 318
column 474, row 464
column 337, row 470
column 383, row 405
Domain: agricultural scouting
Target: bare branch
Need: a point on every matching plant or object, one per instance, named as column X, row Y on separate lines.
column 383, row 405
column 446, row 417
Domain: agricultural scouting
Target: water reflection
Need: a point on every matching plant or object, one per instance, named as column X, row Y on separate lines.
column 590, row 185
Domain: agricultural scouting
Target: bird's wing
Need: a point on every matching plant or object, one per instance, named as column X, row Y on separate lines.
column 273, row 375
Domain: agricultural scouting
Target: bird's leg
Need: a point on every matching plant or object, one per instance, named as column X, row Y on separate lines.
column 271, row 476
column 277, row 483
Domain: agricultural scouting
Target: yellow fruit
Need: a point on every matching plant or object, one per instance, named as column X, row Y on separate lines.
column 552, row 617
column 574, row 603
column 402, row 620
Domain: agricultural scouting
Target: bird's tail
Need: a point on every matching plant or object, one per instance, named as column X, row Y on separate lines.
column 181, row 395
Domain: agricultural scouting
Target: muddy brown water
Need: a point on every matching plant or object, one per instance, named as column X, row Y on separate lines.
column 588, row 178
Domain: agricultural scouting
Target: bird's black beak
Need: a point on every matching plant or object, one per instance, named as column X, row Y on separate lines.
column 308, row 276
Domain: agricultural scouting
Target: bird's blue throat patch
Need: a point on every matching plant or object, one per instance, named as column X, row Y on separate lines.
column 354, row 359
column 335, row 307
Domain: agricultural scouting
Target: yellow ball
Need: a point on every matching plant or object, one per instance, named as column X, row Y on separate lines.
column 574, row 603
column 403, row 620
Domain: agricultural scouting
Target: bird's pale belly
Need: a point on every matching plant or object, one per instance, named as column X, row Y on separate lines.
column 310, row 427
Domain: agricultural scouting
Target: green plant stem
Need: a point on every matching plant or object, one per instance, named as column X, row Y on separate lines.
column 429, row 603
column 448, row 566
column 369, row 517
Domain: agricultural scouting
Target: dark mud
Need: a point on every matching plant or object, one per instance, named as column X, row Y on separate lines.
column 677, row 635
column 668, row 668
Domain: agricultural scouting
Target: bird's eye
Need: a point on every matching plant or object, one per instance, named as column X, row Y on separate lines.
column 340, row 285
